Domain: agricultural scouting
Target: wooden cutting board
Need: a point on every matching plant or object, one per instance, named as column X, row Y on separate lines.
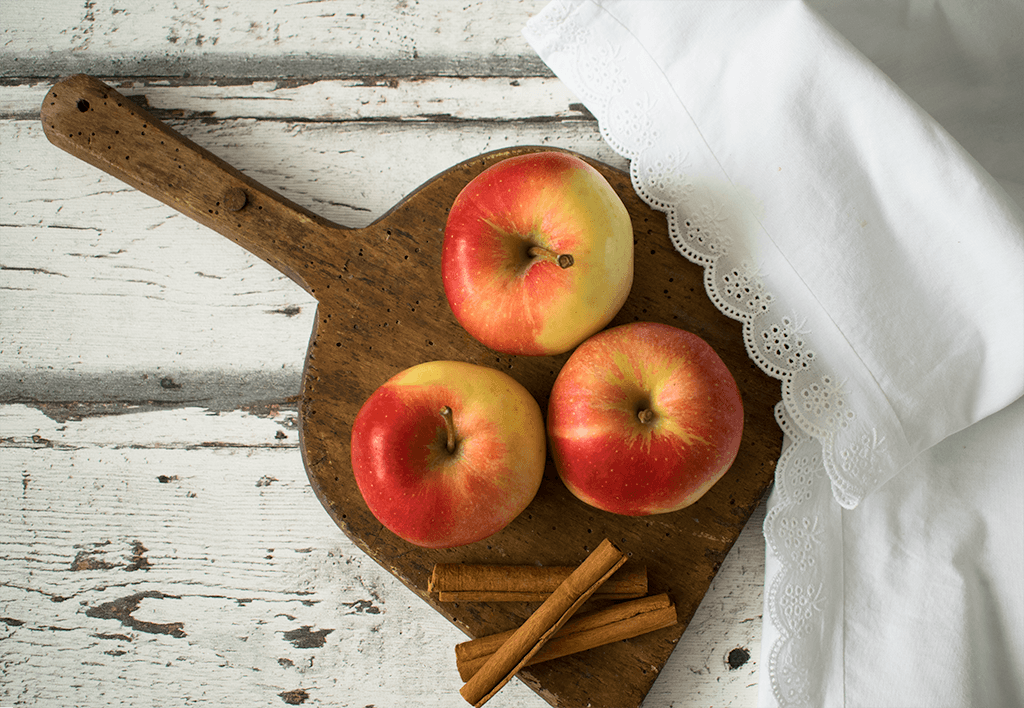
column 381, row 309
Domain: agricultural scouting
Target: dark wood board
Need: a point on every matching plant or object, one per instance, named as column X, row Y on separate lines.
column 381, row 309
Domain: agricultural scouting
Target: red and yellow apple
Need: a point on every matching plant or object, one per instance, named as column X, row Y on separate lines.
column 643, row 419
column 447, row 453
column 537, row 254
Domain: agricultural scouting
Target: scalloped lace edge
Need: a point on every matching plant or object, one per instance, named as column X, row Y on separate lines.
column 794, row 528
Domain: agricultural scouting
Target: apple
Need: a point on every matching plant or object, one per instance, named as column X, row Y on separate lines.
column 447, row 453
column 643, row 419
column 537, row 254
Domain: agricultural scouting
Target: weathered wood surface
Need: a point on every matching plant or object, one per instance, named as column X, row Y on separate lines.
column 139, row 513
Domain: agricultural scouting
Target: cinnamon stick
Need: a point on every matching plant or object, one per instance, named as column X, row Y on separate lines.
column 621, row 621
column 458, row 582
column 547, row 619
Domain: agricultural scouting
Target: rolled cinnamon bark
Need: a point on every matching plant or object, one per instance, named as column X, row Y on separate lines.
column 620, row 621
column 459, row 582
column 554, row 612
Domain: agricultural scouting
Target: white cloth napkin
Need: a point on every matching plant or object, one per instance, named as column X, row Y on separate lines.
column 878, row 268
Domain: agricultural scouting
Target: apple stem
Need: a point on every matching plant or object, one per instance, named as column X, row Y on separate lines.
column 564, row 260
column 449, row 424
column 646, row 415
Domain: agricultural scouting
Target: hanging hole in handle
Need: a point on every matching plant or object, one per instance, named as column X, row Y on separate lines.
column 83, row 105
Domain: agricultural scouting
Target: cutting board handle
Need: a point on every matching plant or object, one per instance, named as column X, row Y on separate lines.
column 90, row 120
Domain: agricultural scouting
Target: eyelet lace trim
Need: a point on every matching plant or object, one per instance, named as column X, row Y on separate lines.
column 830, row 452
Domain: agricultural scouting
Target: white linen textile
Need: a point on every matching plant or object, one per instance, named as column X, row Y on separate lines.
column 878, row 268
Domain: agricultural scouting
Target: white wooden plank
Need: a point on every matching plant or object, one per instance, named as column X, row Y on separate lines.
column 420, row 98
column 180, row 556
column 270, row 38
column 25, row 427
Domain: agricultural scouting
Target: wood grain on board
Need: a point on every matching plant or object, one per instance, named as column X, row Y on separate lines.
column 381, row 309
column 683, row 550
